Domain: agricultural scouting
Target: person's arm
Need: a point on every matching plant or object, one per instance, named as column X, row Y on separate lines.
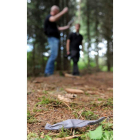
column 57, row 16
column 68, row 46
column 63, row 28
column 82, row 46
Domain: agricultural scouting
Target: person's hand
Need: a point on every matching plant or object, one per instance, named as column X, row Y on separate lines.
column 65, row 10
column 68, row 52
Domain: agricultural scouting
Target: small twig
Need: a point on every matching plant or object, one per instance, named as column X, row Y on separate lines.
column 39, row 114
column 80, row 114
column 73, row 133
column 67, row 105
column 68, row 138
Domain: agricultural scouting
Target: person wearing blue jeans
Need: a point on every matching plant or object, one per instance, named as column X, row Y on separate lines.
column 54, row 45
column 52, row 31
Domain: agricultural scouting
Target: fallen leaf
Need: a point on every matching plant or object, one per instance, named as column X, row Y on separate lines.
column 71, row 96
column 61, row 97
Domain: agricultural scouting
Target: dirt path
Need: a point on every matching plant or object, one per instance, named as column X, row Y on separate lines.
column 45, row 107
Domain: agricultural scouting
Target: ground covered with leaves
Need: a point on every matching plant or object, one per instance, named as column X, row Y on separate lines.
column 44, row 106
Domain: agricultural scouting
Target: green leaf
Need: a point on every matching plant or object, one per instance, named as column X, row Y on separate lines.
column 96, row 134
column 108, row 135
column 48, row 138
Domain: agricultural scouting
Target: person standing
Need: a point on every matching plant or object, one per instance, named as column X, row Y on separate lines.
column 52, row 31
column 73, row 43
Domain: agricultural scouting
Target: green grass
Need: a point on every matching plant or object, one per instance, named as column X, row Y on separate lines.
column 105, row 103
column 64, row 133
column 38, row 110
column 45, row 92
column 86, row 93
column 45, row 101
column 28, row 93
column 109, row 102
column 104, row 68
column 30, row 118
column 89, row 115
column 35, row 136
column 107, row 126
column 82, row 65
column 100, row 99
column 32, row 136
column 98, row 134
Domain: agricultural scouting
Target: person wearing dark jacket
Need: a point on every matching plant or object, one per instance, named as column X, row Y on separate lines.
column 52, row 31
column 73, row 43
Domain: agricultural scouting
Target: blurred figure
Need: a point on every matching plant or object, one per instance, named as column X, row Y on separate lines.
column 52, row 31
column 73, row 42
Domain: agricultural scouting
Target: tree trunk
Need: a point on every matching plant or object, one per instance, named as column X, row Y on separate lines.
column 58, row 65
column 43, row 62
column 88, row 30
column 33, row 59
column 108, row 56
column 97, row 35
column 66, row 62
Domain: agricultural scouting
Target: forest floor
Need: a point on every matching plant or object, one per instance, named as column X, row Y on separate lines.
column 44, row 106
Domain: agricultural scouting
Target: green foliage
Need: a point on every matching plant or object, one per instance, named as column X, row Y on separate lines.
column 75, row 114
column 106, row 103
column 107, row 135
column 64, row 133
column 45, row 138
column 100, row 99
column 107, row 126
column 32, row 136
column 36, row 13
column 38, row 110
column 104, row 68
column 45, row 92
column 109, row 102
column 95, row 28
column 86, row 93
column 28, row 114
column 45, row 101
column 96, row 134
column 89, row 115
column 83, row 64
column 28, row 93
column 48, row 138
column 30, row 118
